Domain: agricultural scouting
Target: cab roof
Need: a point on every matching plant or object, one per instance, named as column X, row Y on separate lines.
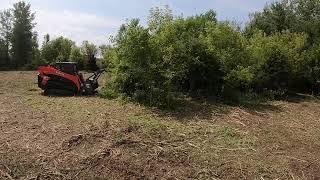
column 65, row 63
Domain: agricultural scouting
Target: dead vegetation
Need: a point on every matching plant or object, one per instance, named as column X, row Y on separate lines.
column 93, row 138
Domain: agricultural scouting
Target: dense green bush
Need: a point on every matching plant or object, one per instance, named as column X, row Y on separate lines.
column 174, row 57
column 183, row 57
column 132, row 72
column 199, row 56
column 309, row 71
column 275, row 59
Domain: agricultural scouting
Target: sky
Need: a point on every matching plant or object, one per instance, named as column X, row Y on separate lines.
column 96, row 20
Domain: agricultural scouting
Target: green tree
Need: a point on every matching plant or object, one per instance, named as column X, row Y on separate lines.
column 36, row 54
column 104, row 49
column 22, row 41
column 295, row 15
column 6, row 21
column 274, row 74
column 77, row 56
column 276, row 17
column 308, row 18
column 277, row 60
column 3, row 54
column 46, row 39
column 183, row 57
column 108, row 53
column 156, row 65
column 57, row 50
column 199, row 56
column 159, row 16
column 132, row 74
column 308, row 71
column 90, row 51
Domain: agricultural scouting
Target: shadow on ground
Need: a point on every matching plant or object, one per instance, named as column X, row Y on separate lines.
column 204, row 109
column 193, row 109
column 298, row 98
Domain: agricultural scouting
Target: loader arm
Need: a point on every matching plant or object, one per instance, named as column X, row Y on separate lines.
column 91, row 84
column 97, row 75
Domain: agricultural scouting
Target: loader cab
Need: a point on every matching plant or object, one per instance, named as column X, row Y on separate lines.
column 67, row 67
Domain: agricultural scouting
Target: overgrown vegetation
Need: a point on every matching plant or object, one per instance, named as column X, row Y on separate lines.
column 173, row 57
column 199, row 56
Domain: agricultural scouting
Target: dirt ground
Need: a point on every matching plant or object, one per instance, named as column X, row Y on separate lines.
column 93, row 138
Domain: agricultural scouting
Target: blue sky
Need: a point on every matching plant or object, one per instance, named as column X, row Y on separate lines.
column 96, row 20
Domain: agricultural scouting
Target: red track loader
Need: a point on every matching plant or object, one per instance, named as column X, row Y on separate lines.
column 64, row 79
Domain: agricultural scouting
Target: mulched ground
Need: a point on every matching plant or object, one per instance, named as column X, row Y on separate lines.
column 93, row 138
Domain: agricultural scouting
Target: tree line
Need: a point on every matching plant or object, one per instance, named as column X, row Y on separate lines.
column 19, row 48
column 275, row 54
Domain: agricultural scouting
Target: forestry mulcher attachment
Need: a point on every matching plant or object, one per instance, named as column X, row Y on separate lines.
column 64, row 78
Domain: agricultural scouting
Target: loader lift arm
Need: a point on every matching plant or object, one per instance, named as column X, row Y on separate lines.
column 96, row 75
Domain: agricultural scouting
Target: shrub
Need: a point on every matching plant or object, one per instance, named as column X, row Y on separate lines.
column 199, row 56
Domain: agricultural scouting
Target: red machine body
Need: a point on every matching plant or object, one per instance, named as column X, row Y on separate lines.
column 64, row 78
column 47, row 72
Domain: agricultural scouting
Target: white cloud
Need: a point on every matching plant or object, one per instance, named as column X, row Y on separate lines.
column 77, row 26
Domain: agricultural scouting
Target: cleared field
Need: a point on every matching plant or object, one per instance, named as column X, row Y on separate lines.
column 94, row 138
